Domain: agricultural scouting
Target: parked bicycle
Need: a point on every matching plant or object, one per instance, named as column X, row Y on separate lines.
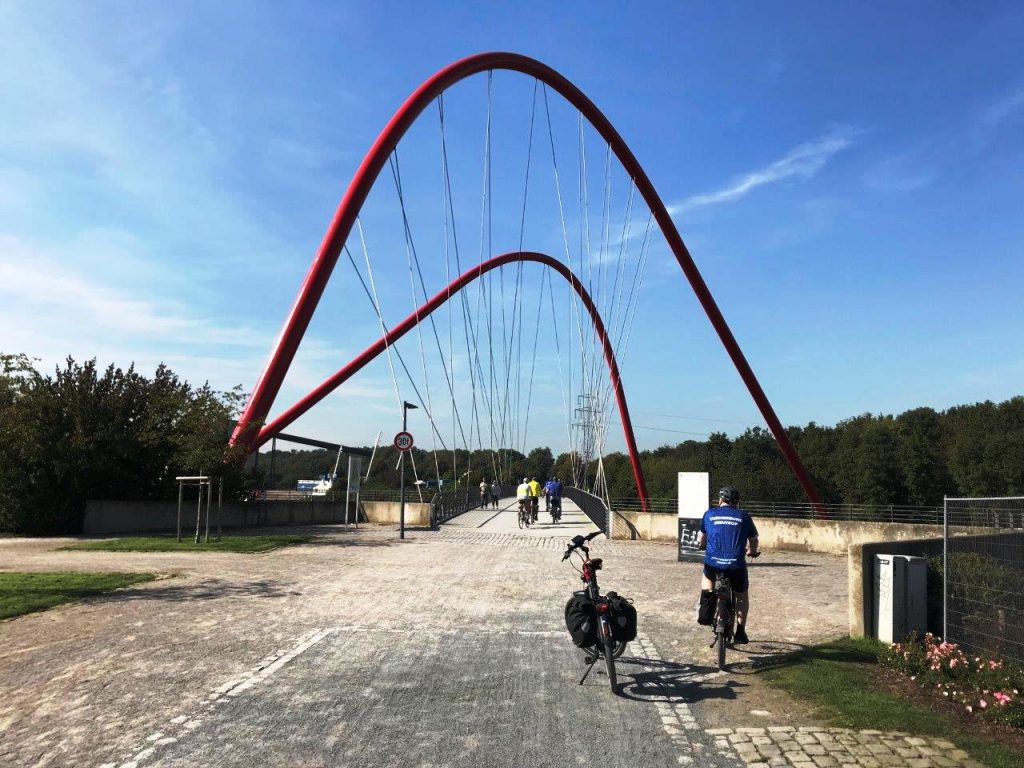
column 601, row 624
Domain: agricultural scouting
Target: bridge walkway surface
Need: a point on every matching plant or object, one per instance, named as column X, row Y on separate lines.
column 446, row 649
column 505, row 519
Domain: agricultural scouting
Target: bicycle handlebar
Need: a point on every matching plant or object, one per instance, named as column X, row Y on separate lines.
column 579, row 542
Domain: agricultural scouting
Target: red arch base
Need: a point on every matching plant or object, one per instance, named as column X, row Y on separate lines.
column 312, row 288
column 423, row 312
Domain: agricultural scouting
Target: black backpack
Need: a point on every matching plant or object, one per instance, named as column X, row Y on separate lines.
column 623, row 616
column 580, row 620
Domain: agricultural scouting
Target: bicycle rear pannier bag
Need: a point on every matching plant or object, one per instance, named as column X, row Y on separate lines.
column 579, row 620
column 623, row 616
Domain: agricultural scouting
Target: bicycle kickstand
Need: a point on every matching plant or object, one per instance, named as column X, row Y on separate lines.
column 590, row 666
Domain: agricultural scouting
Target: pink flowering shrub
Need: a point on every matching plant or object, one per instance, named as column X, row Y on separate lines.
column 978, row 685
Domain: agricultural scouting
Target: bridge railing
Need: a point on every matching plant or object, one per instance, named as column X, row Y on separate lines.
column 865, row 513
column 591, row 505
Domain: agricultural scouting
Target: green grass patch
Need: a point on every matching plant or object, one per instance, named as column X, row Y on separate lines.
column 28, row 592
column 171, row 544
column 842, row 680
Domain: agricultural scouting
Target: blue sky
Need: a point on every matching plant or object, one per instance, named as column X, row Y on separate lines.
column 849, row 181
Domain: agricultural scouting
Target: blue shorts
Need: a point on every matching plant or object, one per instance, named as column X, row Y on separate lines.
column 737, row 576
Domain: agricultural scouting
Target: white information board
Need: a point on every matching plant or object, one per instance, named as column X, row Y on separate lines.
column 694, row 493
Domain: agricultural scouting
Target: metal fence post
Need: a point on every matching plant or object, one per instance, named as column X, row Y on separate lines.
column 945, row 567
column 220, row 506
column 209, row 503
column 199, row 511
column 181, row 493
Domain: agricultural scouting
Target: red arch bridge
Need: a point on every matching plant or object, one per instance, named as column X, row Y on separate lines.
column 604, row 270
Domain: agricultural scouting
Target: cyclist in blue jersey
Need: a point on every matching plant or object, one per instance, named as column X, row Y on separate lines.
column 729, row 535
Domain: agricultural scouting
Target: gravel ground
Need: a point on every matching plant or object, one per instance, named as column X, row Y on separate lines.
column 445, row 649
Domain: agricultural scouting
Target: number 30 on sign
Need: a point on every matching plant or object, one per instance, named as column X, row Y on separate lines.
column 403, row 441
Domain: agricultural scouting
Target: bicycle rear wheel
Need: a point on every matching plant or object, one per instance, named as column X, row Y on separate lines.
column 520, row 518
column 720, row 642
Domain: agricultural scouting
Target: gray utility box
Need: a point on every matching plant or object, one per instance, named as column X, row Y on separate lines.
column 901, row 597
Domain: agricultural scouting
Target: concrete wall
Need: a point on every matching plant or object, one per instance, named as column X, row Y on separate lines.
column 104, row 518
column 417, row 514
column 832, row 537
column 645, row 525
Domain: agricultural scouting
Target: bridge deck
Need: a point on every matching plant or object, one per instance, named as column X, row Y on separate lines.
column 505, row 519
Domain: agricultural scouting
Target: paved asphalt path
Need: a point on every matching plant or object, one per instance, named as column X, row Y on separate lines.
column 448, row 649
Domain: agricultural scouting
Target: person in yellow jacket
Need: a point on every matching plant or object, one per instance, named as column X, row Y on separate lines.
column 535, row 496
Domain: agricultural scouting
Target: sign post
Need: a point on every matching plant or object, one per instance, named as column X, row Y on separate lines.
column 694, row 495
column 352, row 485
column 404, row 443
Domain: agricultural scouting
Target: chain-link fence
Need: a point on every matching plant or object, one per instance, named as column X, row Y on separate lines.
column 983, row 575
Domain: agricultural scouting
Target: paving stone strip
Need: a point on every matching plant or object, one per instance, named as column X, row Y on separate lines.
column 677, row 719
column 817, row 747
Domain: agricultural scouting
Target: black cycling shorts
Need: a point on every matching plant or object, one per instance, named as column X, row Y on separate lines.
column 737, row 576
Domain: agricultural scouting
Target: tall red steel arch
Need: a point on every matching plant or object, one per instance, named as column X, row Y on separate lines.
column 262, row 398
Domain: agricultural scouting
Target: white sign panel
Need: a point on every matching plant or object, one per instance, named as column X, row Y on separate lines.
column 694, row 493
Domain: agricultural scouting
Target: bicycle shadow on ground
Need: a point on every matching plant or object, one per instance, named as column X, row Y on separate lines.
column 673, row 683
column 800, row 654
column 759, row 656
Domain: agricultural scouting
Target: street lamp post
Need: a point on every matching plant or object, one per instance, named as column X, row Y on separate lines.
column 401, row 508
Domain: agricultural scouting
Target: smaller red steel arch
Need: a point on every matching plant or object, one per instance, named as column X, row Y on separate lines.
column 423, row 312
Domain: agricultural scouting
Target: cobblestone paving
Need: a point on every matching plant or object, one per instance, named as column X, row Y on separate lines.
column 816, row 747
column 346, row 650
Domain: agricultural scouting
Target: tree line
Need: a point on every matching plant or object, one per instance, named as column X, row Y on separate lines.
column 913, row 458
column 82, row 433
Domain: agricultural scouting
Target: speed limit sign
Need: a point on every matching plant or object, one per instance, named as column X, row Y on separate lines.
column 403, row 441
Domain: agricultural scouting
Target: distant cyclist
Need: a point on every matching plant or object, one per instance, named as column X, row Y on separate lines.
column 547, row 493
column 485, row 492
column 523, row 492
column 553, row 493
column 535, row 495
column 729, row 535
column 495, row 494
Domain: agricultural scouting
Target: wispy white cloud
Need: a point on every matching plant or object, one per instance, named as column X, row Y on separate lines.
column 1008, row 109
column 906, row 172
column 48, row 290
column 803, row 161
column 1010, row 105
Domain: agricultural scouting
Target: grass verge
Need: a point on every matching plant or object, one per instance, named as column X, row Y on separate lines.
column 171, row 544
column 29, row 592
column 845, row 683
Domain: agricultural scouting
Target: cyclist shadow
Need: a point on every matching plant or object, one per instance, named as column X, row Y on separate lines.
column 761, row 655
column 672, row 682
